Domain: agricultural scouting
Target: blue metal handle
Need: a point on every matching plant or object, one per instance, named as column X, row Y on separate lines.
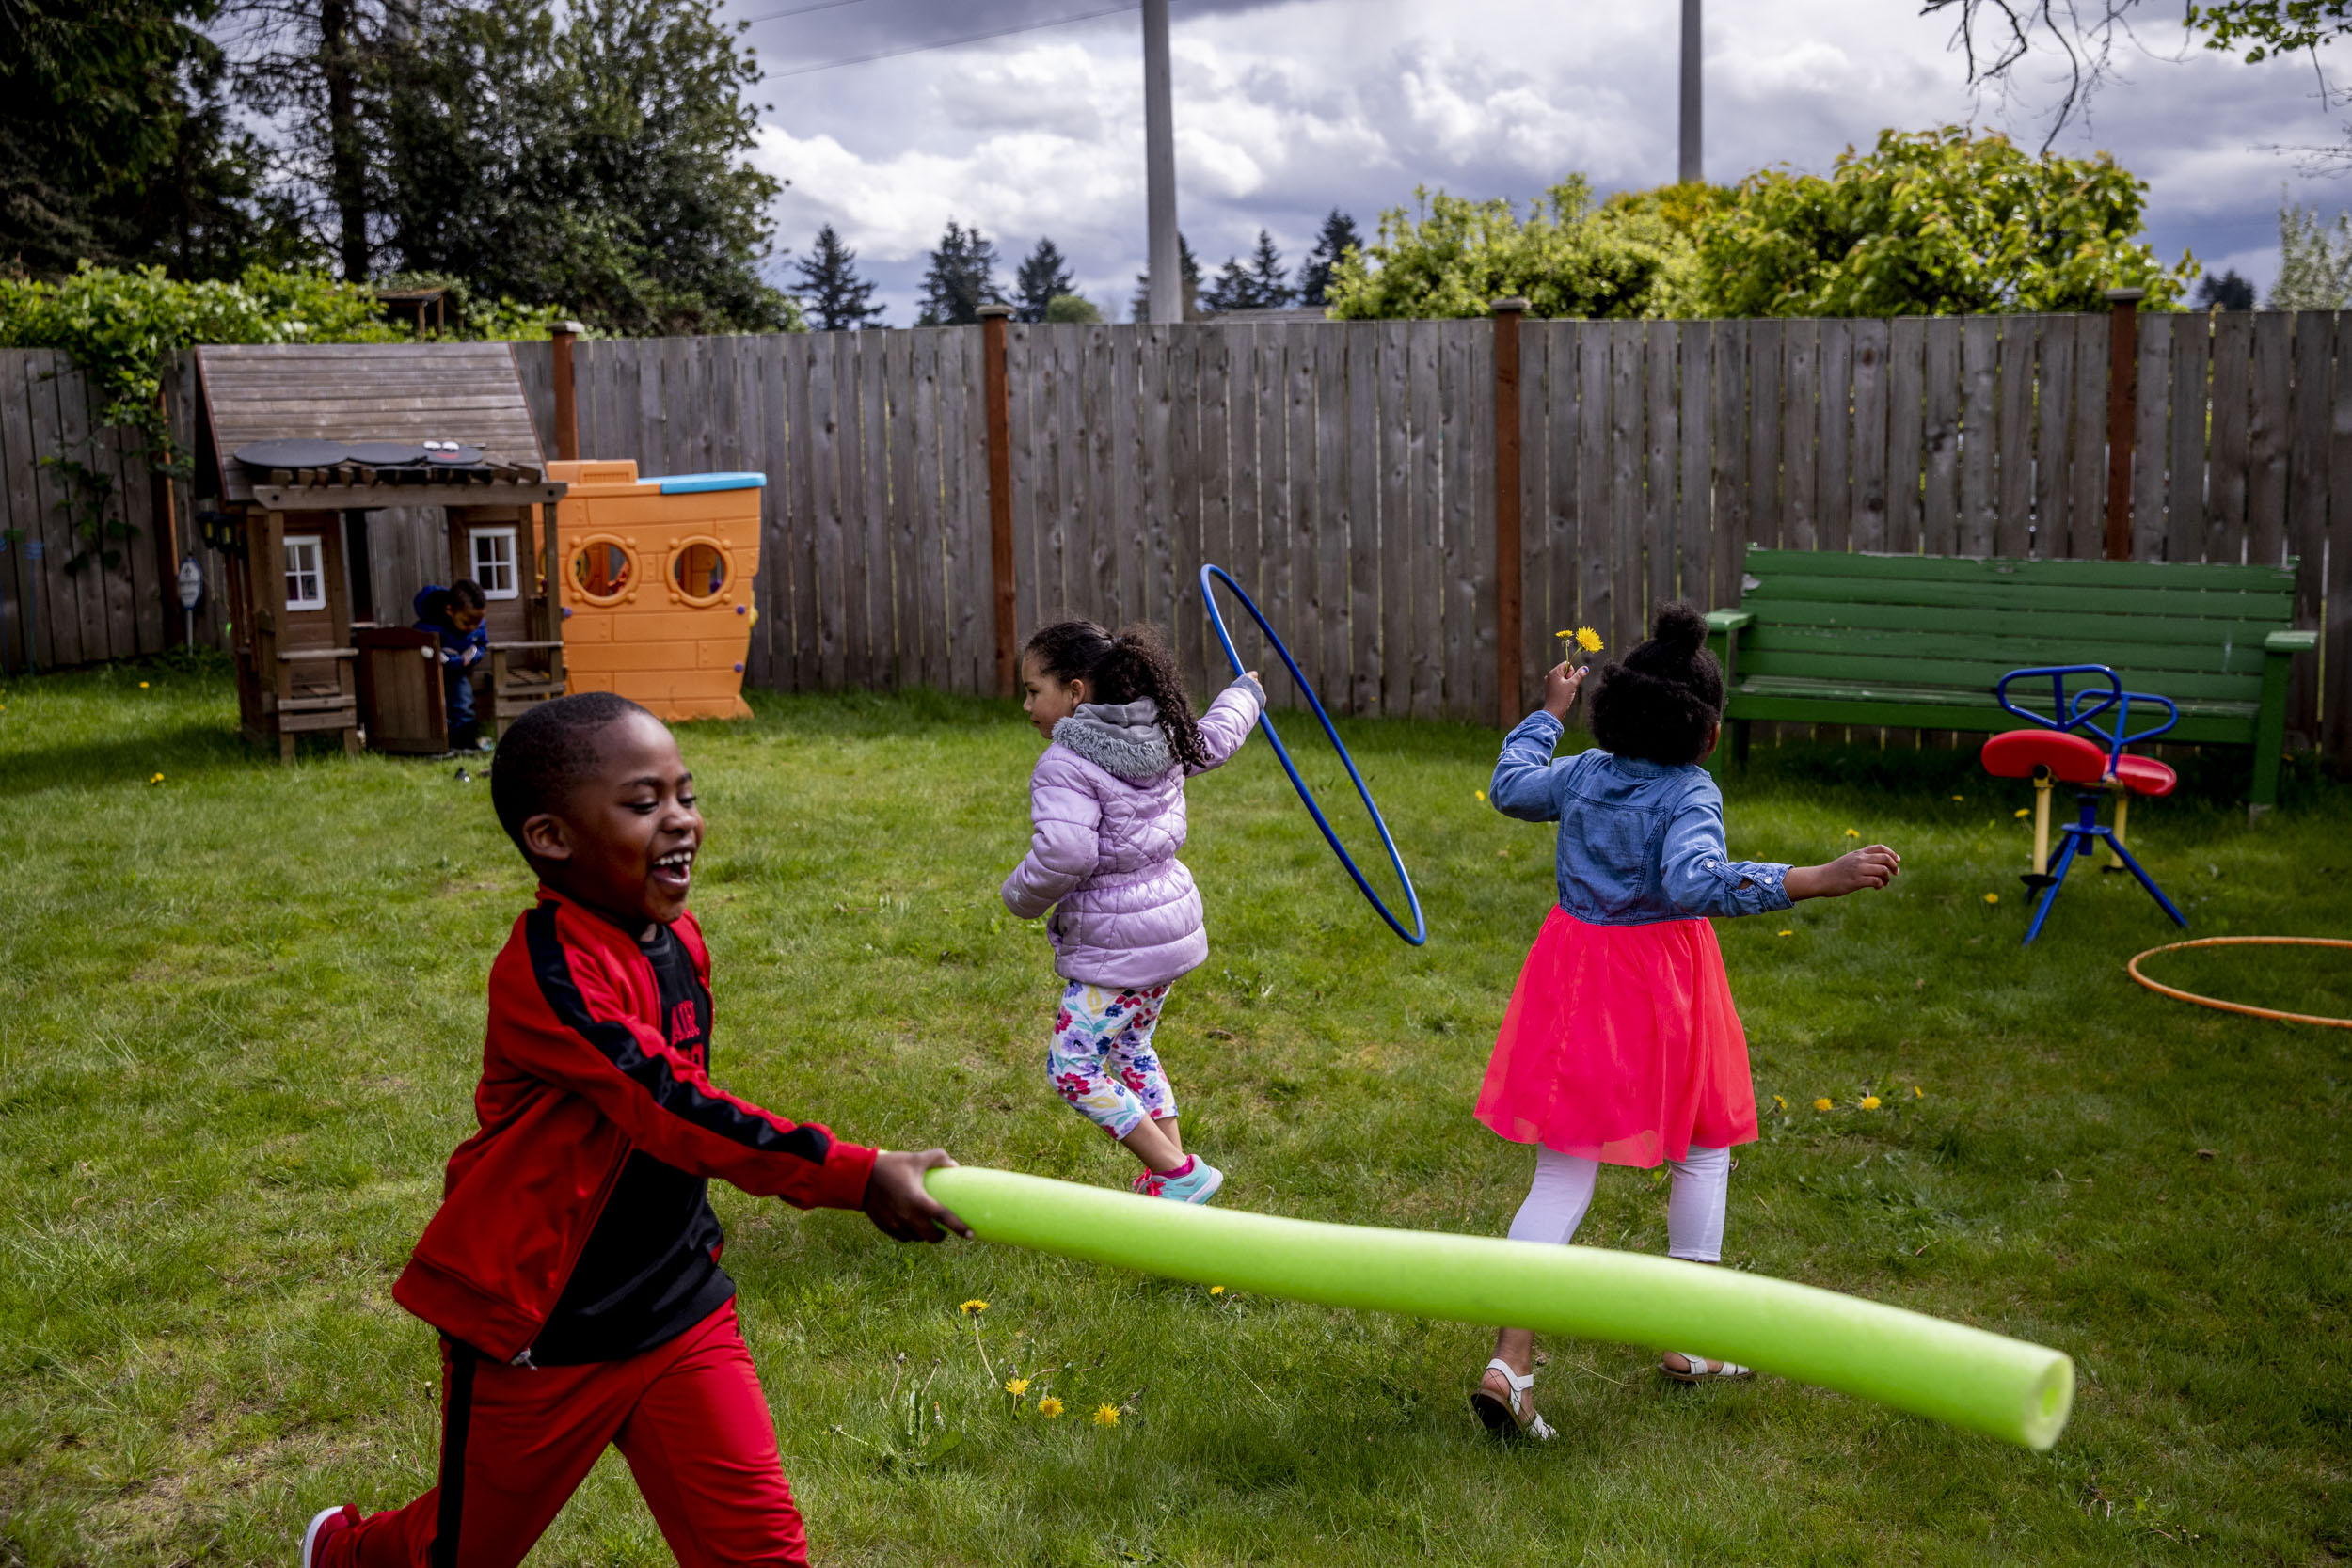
column 2066, row 714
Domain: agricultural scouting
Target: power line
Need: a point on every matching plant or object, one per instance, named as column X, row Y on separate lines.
column 800, row 10
column 950, row 43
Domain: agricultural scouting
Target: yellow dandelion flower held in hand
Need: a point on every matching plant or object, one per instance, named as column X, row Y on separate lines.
column 1588, row 639
column 1049, row 1407
column 971, row 1306
column 1869, row 1102
column 1822, row 1103
column 1017, row 1387
column 1106, row 1415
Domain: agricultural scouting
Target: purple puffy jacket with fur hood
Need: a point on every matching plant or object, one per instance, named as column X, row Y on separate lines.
column 1107, row 805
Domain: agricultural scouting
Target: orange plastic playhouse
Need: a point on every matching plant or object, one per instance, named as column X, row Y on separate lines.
column 656, row 583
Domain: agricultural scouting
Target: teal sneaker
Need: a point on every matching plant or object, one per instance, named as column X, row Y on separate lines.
column 1198, row 1183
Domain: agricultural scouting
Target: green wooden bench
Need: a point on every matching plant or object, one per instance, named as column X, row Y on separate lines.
column 1918, row 640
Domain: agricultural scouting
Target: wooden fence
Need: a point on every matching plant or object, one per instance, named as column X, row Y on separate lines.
column 1346, row 475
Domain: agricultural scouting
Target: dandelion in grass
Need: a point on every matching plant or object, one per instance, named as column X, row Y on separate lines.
column 1779, row 1103
column 1960, row 799
column 1480, row 793
column 142, row 685
column 971, row 1306
column 1822, row 1103
column 1854, row 832
column 1048, row 1406
column 157, row 780
column 2022, row 813
column 1869, row 1102
column 1992, row 897
column 1106, row 1415
column 1216, row 1289
column 1017, row 1386
column 1787, row 933
column 1918, row 1093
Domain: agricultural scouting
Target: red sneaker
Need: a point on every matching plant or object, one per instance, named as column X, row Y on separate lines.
column 325, row 1525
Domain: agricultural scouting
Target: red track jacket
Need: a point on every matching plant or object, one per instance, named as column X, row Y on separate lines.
column 576, row 1075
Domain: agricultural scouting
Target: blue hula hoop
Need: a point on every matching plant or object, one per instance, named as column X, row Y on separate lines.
column 1420, row 933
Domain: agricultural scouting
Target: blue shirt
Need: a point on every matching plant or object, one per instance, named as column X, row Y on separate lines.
column 1639, row 841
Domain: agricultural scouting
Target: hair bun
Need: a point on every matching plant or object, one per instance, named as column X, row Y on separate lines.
column 1679, row 627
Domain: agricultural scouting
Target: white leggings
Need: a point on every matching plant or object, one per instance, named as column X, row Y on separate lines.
column 1563, row 1190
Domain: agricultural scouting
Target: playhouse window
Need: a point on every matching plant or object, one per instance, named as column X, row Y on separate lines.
column 601, row 570
column 306, row 577
column 494, row 562
column 700, row 570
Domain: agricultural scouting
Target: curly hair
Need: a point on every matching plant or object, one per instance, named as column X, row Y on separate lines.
column 1121, row 668
column 1663, row 701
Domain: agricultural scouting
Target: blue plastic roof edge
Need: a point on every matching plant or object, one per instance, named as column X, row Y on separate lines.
column 686, row 485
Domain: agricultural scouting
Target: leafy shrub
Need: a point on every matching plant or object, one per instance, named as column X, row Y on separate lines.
column 1933, row 223
column 122, row 326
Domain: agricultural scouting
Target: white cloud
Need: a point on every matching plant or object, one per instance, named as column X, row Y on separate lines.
column 1285, row 111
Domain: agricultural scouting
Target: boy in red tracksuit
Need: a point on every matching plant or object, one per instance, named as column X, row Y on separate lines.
column 573, row 1268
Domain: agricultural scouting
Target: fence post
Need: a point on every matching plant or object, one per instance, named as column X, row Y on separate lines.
column 993, row 318
column 1508, row 672
column 2122, row 408
column 566, row 411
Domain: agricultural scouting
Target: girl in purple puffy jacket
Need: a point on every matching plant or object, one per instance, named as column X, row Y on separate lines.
column 1107, row 805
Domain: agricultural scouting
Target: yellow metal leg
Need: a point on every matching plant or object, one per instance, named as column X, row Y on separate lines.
column 2042, row 825
column 2123, row 805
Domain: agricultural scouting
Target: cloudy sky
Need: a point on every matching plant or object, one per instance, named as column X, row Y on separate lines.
column 1285, row 110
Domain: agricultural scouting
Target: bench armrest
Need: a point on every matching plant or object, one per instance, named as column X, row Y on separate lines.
column 1730, row 620
column 2290, row 642
column 305, row 655
column 522, row 647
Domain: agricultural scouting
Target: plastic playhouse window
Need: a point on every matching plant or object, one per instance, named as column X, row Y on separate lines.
column 603, row 570
column 306, row 578
column 494, row 562
column 699, row 567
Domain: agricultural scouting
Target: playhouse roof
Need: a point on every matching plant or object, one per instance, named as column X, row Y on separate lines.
column 469, row 393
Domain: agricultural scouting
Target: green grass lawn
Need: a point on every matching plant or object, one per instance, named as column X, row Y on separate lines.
column 241, row 1014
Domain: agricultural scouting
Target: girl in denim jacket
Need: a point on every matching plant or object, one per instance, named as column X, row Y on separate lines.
column 1621, row 1045
column 1107, row 803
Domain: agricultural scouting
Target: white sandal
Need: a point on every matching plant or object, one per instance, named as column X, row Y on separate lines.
column 1510, row 1413
column 1695, row 1370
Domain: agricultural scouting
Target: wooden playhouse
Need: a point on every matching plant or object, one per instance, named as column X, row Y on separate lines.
column 656, row 585
column 332, row 433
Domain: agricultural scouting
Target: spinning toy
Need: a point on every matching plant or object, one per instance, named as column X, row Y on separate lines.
column 2053, row 754
column 1420, row 933
column 2006, row 1388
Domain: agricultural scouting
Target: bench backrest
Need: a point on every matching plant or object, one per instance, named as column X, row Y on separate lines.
column 2187, row 631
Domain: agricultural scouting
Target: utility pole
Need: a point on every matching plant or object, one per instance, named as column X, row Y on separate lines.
column 1165, row 293
column 1692, row 172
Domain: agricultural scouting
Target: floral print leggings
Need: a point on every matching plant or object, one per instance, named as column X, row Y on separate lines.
column 1100, row 1058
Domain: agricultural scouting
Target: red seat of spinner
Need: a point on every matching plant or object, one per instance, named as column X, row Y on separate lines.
column 2145, row 776
column 2069, row 758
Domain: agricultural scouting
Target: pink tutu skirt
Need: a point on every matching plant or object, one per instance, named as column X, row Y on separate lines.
column 1621, row 1045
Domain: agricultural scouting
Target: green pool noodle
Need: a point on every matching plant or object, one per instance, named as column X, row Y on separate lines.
column 1983, row 1382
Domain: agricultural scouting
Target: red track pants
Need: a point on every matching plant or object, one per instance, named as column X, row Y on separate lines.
column 689, row 1416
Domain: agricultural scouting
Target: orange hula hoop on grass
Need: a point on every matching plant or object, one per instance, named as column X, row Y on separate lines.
column 2177, row 995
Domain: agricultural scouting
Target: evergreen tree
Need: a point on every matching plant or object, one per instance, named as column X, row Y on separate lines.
column 1254, row 285
column 1189, row 266
column 2227, row 291
column 1042, row 278
column 961, row 278
column 831, row 291
column 118, row 144
column 1337, row 238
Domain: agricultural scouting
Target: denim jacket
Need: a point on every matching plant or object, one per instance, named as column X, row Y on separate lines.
column 1639, row 841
